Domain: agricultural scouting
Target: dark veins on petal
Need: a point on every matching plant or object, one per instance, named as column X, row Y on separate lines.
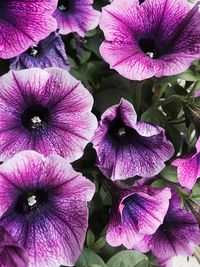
column 151, row 45
column 35, row 117
column 64, row 5
column 31, row 200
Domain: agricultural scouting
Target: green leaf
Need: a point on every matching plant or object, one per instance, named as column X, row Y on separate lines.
column 158, row 183
column 90, row 238
column 106, row 98
column 93, row 44
column 89, row 258
column 128, row 258
column 175, row 137
column 85, row 57
column 72, row 62
column 153, row 115
column 99, row 244
column 196, row 192
column 170, row 173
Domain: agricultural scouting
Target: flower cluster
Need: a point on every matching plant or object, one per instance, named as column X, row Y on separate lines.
column 100, row 99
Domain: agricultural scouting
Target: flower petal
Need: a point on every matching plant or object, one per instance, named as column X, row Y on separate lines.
column 80, row 18
column 24, row 23
column 54, row 233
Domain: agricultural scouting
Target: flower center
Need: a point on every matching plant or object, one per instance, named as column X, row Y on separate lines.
column 33, row 51
column 121, row 132
column 31, row 200
column 35, row 117
column 64, row 5
column 118, row 130
column 149, row 47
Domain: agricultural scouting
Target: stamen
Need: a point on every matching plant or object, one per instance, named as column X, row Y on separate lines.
column 36, row 122
column 150, row 54
column 121, row 131
column 62, row 7
column 34, row 50
column 32, row 200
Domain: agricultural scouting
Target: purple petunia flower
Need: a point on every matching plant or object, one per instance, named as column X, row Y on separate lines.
column 49, row 52
column 126, row 148
column 44, row 110
column 138, row 211
column 24, row 23
column 178, row 234
column 189, row 168
column 44, row 207
column 76, row 16
column 150, row 38
column 10, row 253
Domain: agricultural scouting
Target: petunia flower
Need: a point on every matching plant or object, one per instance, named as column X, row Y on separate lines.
column 11, row 254
column 178, row 235
column 48, row 111
column 127, row 147
column 76, row 16
column 150, row 38
column 188, row 168
column 49, row 52
column 24, row 23
column 44, row 207
column 136, row 212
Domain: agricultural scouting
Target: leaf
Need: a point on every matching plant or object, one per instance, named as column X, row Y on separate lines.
column 85, row 57
column 93, row 44
column 170, row 173
column 90, row 239
column 89, row 258
column 196, row 192
column 153, row 115
column 106, row 98
column 175, row 137
column 158, row 183
column 128, row 258
column 99, row 244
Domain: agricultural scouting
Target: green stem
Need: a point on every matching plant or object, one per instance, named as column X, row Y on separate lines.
column 160, row 93
column 174, row 122
column 170, row 99
column 138, row 95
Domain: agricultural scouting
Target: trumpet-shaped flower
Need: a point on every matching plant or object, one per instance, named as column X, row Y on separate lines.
column 127, row 147
column 150, row 38
column 47, row 110
column 44, row 207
